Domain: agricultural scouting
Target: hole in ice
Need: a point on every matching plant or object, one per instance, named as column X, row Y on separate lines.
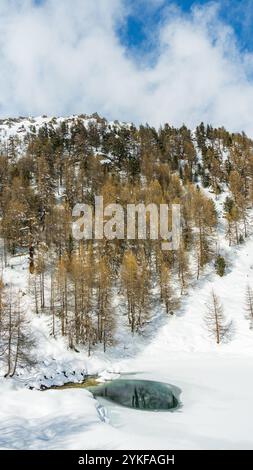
column 139, row 394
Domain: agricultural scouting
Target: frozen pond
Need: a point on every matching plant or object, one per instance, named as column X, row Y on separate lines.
column 139, row 394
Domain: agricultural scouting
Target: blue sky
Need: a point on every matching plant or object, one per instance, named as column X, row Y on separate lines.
column 150, row 61
column 144, row 20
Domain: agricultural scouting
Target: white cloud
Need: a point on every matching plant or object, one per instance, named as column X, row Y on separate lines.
column 65, row 57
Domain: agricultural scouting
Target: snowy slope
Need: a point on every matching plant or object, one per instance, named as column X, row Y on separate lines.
column 216, row 381
column 18, row 129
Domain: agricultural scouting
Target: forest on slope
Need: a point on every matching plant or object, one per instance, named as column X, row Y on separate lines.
column 48, row 166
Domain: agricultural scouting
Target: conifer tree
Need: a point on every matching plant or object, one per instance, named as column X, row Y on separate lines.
column 183, row 267
column 105, row 313
column 15, row 341
column 204, row 216
column 249, row 305
column 129, row 277
column 167, row 292
column 215, row 320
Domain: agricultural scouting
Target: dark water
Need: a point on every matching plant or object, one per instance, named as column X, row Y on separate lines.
column 139, row 394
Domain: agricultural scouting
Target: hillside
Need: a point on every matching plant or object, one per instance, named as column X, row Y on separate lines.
column 124, row 307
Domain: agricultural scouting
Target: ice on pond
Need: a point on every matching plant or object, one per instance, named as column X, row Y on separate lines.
column 139, row 394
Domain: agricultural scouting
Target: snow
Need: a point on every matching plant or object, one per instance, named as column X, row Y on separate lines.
column 216, row 383
column 216, row 406
column 48, row 420
column 20, row 128
column 216, row 413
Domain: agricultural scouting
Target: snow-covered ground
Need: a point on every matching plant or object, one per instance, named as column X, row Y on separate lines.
column 216, row 383
column 217, row 410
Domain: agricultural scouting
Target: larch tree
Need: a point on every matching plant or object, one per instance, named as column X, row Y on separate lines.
column 166, row 290
column 2, row 302
column 237, row 189
column 105, row 312
column 143, row 291
column 17, row 345
column 183, row 267
column 232, row 215
column 215, row 319
column 61, row 276
column 204, row 216
column 129, row 278
column 249, row 305
column 39, row 271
